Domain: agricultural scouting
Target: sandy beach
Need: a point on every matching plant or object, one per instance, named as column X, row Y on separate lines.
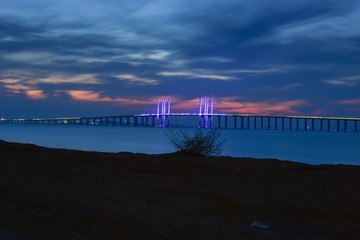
column 66, row 194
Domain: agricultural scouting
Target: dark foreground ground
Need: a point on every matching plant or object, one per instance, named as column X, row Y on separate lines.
column 62, row 194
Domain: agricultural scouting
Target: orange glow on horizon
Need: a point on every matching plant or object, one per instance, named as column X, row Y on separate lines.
column 235, row 105
column 91, row 96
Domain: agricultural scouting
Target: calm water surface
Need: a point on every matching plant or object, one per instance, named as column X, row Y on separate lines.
column 306, row 147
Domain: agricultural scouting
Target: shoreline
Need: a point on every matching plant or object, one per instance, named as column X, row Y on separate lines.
column 170, row 153
column 73, row 194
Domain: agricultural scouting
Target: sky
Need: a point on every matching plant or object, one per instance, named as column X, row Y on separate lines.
column 110, row 57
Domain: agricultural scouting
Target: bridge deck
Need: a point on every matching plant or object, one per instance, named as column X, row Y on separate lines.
column 241, row 121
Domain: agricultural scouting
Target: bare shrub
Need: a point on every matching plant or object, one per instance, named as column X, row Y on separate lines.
column 204, row 142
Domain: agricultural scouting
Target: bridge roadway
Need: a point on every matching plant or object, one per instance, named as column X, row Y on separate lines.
column 237, row 121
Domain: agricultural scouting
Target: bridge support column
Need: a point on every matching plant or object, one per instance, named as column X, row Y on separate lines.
column 226, row 121
column 235, row 123
column 297, row 124
column 269, row 123
column 345, row 125
column 328, row 126
column 338, row 126
column 321, row 124
column 242, row 122
column 153, row 121
column 312, row 124
column 276, row 123
column 355, row 126
column 282, row 124
column 219, row 121
column 290, row 124
column 262, row 123
column 248, row 122
column 127, row 121
column 255, row 119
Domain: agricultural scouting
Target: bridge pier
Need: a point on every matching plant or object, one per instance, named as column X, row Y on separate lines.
column 282, row 124
column 338, row 126
column 345, row 125
column 312, row 124
column 355, row 125
column 168, row 125
column 321, row 125
column 262, row 123
column 255, row 119
column 235, row 123
column 226, row 121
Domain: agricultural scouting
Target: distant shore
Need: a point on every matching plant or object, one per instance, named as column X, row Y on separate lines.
column 67, row 194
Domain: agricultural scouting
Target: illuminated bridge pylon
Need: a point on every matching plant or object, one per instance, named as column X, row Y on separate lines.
column 163, row 112
column 204, row 112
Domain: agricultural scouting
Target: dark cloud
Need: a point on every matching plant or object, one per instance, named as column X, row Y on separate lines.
column 257, row 51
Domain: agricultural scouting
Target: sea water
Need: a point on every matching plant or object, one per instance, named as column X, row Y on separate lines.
column 298, row 146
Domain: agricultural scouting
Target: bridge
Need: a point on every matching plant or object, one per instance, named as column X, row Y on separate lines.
column 208, row 119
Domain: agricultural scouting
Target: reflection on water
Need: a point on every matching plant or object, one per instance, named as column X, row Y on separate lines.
column 307, row 147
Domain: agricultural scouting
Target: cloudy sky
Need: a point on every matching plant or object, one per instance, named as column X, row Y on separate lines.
column 90, row 57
